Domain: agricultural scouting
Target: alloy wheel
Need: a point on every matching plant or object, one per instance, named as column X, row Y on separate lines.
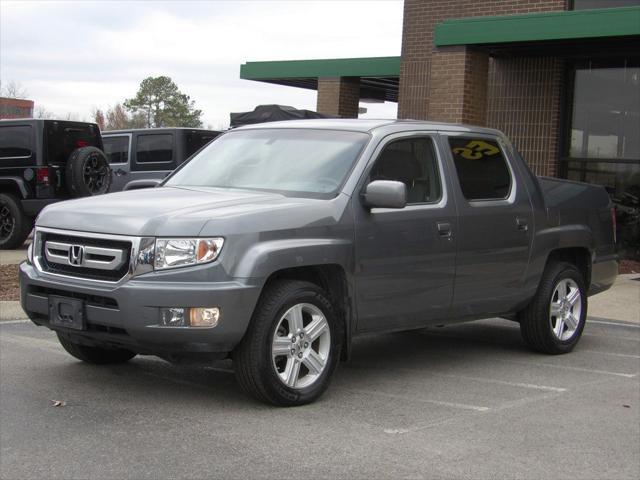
column 94, row 174
column 565, row 310
column 300, row 346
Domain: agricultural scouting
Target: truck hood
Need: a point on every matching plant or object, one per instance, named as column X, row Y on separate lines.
column 185, row 211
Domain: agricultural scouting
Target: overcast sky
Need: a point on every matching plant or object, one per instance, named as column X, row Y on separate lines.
column 78, row 55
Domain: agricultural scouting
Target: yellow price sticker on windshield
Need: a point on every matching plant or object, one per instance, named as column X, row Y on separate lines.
column 476, row 149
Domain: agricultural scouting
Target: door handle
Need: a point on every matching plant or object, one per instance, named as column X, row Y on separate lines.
column 444, row 229
column 521, row 224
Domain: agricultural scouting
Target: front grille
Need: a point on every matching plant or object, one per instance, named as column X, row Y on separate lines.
column 62, row 267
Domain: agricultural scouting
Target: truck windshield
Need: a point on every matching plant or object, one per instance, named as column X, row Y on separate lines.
column 290, row 161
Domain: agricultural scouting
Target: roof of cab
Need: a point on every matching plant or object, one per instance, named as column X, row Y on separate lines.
column 157, row 130
column 369, row 125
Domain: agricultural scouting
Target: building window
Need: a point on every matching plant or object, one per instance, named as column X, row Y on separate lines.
column 589, row 4
column 604, row 140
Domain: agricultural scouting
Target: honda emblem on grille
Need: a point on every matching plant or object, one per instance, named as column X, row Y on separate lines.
column 76, row 255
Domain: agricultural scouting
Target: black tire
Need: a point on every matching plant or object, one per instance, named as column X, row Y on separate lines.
column 15, row 226
column 95, row 355
column 535, row 322
column 87, row 172
column 253, row 364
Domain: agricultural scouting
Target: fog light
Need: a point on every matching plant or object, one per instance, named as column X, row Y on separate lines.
column 204, row 317
column 173, row 317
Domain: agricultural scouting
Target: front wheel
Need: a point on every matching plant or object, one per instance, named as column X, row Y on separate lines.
column 553, row 321
column 95, row 355
column 292, row 346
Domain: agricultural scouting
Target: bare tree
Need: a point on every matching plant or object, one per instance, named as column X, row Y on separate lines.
column 116, row 118
column 13, row 89
column 98, row 117
column 42, row 113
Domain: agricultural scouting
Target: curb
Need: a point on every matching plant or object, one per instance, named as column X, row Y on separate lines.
column 11, row 310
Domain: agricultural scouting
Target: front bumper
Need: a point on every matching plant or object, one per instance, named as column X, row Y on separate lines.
column 127, row 315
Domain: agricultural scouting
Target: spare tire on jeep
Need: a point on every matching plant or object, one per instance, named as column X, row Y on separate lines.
column 87, row 172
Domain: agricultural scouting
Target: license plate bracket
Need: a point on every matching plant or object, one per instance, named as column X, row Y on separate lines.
column 66, row 312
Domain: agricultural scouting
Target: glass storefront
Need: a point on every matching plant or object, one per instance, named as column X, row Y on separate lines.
column 604, row 144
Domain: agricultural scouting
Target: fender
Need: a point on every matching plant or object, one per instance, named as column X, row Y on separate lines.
column 15, row 182
column 554, row 238
column 265, row 258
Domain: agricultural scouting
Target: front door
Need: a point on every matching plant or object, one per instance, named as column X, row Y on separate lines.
column 405, row 258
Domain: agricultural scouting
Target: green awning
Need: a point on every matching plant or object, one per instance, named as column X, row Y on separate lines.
column 379, row 76
column 561, row 25
column 332, row 67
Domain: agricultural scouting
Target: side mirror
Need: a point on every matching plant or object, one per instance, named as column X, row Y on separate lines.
column 385, row 194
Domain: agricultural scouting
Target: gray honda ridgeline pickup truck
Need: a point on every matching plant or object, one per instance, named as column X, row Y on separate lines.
column 278, row 243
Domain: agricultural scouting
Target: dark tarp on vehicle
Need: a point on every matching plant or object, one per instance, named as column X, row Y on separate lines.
column 272, row 113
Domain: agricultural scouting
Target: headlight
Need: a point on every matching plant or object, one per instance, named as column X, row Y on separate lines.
column 182, row 252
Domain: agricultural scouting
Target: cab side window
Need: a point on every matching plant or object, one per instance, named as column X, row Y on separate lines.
column 116, row 149
column 482, row 169
column 413, row 162
column 154, row 148
column 15, row 141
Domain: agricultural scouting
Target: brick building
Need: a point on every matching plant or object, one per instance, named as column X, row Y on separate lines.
column 560, row 77
column 15, row 108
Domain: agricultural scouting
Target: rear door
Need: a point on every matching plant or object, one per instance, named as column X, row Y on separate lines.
column 494, row 225
column 117, row 149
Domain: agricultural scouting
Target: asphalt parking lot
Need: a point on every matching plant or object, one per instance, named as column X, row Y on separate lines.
column 464, row 401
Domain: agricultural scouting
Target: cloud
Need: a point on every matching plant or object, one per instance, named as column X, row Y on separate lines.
column 73, row 56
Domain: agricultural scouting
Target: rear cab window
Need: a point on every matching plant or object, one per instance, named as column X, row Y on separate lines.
column 116, row 148
column 483, row 172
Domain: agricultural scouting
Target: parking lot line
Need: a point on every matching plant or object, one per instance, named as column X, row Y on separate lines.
column 577, row 369
column 505, row 382
column 623, row 355
column 613, row 324
column 460, row 406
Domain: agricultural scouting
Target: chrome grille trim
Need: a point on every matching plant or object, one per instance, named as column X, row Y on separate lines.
column 141, row 256
column 61, row 253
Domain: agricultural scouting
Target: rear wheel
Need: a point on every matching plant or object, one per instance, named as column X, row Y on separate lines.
column 15, row 226
column 95, row 355
column 554, row 320
column 292, row 346
column 87, row 172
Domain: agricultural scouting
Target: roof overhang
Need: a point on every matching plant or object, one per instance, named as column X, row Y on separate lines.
column 540, row 27
column 379, row 76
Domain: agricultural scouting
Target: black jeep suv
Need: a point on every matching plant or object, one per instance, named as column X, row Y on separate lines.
column 45, row 161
